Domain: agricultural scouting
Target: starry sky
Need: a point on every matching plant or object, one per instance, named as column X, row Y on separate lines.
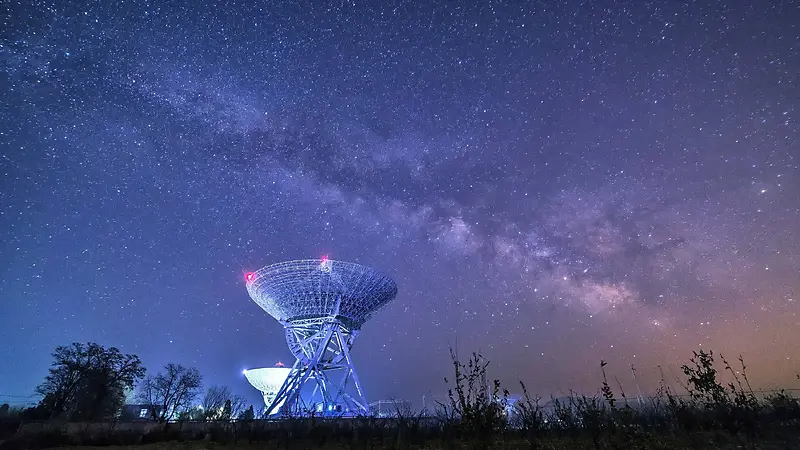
column 551, row 183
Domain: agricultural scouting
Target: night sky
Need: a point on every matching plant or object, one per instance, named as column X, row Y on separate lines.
column 551, row 183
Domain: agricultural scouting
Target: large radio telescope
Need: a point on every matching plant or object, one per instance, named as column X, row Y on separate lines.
column 322, row 305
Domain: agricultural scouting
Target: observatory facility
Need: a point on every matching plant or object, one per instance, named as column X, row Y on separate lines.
column 322, row 305
column 390, row 408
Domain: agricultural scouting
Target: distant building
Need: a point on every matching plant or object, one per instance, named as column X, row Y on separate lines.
column 136, row 412
column 390, row 408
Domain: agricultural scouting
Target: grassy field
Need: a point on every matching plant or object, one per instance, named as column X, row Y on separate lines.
column 699, row 442
column 330, row 435
column 711, row 415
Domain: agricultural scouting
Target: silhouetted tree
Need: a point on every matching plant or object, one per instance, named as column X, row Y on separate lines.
column 248, row 414
column 171, row 392
column 88, row 382
column 214, row 400
column 220, row 404
column 193, row 413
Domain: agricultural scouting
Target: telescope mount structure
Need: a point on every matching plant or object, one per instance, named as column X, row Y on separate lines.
column 322, row 305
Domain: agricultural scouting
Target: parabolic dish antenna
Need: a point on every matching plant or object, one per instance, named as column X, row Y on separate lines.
column 322, row 305
column 268, row 380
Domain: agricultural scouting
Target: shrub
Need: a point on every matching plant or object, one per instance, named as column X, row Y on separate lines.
column 476, row 406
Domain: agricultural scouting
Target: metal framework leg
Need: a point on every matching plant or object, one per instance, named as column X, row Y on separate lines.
column 352, row 372
column 322, row 349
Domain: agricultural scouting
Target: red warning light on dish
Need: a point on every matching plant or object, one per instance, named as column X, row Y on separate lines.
column 324, row 259
column 249, row 277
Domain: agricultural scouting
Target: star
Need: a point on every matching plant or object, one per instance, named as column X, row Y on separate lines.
column 564, row 180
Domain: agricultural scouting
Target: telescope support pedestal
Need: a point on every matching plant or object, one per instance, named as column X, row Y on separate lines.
column 322, row 347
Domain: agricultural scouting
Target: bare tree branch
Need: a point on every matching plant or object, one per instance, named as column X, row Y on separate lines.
column 171, row 392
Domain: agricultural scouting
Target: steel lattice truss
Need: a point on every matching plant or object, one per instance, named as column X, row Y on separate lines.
column 313, row 288
column 322, row 305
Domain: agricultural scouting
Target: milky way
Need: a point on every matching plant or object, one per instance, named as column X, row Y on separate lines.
column 549, row 183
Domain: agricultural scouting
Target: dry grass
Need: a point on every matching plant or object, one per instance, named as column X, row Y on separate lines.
column 697, row 442
column 712, row 416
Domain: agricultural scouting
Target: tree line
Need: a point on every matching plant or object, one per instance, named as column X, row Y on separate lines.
column 89, row 383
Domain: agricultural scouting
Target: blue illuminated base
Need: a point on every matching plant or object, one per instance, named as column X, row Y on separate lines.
column 323, row 380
